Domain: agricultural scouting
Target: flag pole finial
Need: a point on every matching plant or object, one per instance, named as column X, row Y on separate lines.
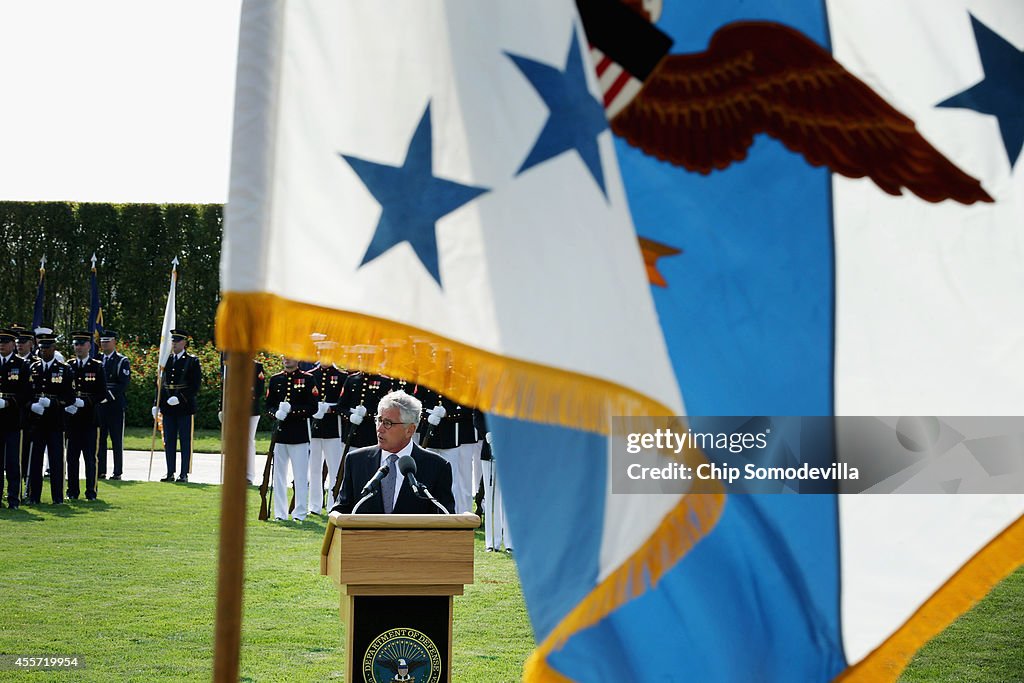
column 93, row 259
column 174, row 262
column 42, row 263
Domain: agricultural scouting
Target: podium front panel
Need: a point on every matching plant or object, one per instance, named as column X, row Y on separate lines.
column 389, row 631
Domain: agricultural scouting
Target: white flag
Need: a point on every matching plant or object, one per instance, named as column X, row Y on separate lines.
column 439, row 178
column 169, row 324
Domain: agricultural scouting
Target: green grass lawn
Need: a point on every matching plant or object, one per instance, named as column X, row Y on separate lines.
column 129, row 584
column 986, row 644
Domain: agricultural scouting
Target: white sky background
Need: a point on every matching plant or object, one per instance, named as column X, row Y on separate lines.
column 117, row 100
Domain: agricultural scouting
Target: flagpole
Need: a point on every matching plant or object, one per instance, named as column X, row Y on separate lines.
column 165, row 347
column 37, row 311
column 228, row 632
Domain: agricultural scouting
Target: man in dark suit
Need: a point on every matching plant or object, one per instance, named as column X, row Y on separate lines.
column 398, row 413
column 179, row 386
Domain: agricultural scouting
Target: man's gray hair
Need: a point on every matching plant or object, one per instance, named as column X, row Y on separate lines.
column 409, row 407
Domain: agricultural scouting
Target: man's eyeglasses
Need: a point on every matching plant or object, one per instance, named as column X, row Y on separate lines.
column 386, row 423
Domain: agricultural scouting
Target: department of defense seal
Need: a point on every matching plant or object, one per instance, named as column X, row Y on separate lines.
column 402, row 655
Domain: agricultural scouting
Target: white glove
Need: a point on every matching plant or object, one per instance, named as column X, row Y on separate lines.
column 487, row 437
column 44, row 401
column 38, row 408
column 3, row 403
column 285, row 406
column 71, row 409
column 154, row 412
column 173, row 401
column 281, row 414
column 220, row 416
column 321, row 410
column 79, row 403
column 436, row 413
column 357, row 414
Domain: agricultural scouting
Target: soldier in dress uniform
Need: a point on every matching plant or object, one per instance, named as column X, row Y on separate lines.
column 362, row 389
column 25, row 343
column 90, row 393
column 496, row 531
column 457, row 440
column 325, row 435
column 53, row 390
column 117, row 374
column 292, row 397
column 25, row 348
column 179, row 385
column 37, row 334
column 15, row 392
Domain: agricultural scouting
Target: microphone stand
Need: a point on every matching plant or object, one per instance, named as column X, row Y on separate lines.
column 425, row 493
column 365, row 498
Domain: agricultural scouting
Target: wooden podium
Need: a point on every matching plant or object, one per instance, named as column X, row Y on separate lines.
column 397, row 575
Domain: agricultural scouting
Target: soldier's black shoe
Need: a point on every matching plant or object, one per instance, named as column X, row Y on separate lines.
column 70, row 497
column 116, row 477
column 169, row 477
column 90, row 498
column 183, row 478
column 103, row 476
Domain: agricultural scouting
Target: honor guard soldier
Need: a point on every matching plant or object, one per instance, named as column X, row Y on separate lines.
column 15, row 392
column 25, row 343
column 292, row 398
column 90, row 394
column 47, row 332
column 179, row 385
column 117, row 374
column 53, row 390
column 362, row 389
column 258, row 383
column 496, row 531
column 325, row 435
column 455, row 438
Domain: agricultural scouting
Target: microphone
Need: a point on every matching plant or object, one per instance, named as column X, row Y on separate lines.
column 407, row 468
column 376, row 479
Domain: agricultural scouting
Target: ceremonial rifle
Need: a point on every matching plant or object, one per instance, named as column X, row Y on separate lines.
column 268, row 471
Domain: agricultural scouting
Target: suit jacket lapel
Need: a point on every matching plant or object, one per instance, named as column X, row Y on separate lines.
column 376, row 504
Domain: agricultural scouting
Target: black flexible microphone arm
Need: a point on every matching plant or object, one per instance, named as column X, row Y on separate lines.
column 425, row 493
column 365, row 498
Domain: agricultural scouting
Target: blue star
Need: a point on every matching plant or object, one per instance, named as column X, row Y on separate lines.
column 1001, row 92
column 575, row 118
column 412, row 199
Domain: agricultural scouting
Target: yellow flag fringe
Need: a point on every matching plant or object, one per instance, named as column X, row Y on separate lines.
column 680, row 530
column 509, row 387
column 963, row 590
